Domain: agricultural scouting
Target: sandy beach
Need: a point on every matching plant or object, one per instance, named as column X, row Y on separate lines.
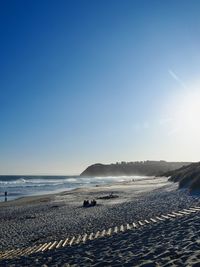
column 35, row 220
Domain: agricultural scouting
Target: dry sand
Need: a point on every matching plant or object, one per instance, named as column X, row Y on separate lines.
column 171, row 243
column 36, row 220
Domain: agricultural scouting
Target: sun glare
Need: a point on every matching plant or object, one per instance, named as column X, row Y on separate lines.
column 185, row 115
column 189, row 112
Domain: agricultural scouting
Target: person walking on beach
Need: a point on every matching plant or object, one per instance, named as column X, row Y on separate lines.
column 6, row 196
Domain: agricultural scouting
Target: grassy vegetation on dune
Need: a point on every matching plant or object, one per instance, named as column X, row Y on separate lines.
column 187, row 176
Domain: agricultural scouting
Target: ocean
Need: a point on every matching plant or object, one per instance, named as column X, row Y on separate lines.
column 22, row 185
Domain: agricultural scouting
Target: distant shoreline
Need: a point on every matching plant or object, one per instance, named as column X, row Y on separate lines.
column 143, row 168
column 40, row 197
column 18, row 186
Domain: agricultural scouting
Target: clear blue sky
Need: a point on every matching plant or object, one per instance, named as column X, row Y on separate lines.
column 97, row 81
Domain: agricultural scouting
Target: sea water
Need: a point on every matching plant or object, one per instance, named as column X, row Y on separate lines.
column 20, row 186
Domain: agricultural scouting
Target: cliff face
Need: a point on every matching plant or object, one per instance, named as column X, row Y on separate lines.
column 187, row 176
column 149, row 168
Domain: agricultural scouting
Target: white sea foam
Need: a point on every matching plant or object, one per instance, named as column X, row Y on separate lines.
column 32, row 185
